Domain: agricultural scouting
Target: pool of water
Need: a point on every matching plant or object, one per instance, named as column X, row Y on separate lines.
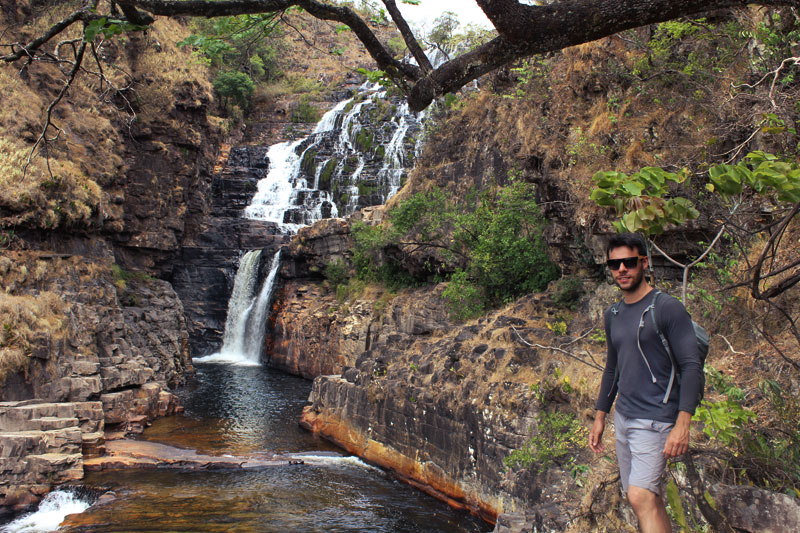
column 235, row 410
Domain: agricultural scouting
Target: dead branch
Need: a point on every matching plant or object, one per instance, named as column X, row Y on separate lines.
column 560, row 350
column 43, row 140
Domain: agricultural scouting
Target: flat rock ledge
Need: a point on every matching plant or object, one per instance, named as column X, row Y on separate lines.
column 129, row 453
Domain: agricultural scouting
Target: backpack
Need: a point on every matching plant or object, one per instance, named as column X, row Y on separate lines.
column 702, row 346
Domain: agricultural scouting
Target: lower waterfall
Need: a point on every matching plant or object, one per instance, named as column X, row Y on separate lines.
column 247, row 313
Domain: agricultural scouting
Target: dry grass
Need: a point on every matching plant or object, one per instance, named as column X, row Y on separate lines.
column 166, row 68
column 67, row 197
column 22, row 318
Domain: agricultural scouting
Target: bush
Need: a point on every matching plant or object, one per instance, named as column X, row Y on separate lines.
column 464, row 299
column 559, row 437
column 235, row 88
column 496, row 249
column 336, row 272
column 569, row 291
column 305, row 112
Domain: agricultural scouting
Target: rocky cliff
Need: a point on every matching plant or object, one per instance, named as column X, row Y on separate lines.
column 94, row 336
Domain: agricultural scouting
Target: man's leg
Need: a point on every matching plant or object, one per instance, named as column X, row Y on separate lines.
column 650, row 510
column 646, row 440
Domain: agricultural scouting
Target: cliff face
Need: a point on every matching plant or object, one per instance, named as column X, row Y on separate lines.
column 439, row 404
column 94, row 336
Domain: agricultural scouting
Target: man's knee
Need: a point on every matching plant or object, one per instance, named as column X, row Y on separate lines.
column 641, row 499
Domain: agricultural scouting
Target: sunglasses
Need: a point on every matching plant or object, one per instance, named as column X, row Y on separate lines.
column 629, row 262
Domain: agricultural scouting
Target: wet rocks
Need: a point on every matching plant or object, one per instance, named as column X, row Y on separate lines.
column 42, row 444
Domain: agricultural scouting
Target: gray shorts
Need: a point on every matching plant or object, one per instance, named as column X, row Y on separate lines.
column 640, row 451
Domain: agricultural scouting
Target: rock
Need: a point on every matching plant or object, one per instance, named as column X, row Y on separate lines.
column 757, row 510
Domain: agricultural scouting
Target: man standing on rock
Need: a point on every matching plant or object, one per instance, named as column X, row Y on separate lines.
column 650, row 424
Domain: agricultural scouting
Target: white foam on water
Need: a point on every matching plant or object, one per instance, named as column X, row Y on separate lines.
column 52, row 511
column 333, row 460
column 225, row 359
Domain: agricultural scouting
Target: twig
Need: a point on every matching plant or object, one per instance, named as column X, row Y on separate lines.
column 556, row 349
column 48, row 121
column 730, row 345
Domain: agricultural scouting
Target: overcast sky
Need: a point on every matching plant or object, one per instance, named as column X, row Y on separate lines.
column 424, row 14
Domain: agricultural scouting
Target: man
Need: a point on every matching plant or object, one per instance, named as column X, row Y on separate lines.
column 650, row 427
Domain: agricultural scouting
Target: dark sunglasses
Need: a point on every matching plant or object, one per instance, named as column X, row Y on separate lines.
column 629, row 262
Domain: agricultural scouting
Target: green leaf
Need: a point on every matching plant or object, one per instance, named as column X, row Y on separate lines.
column 634, row 188
column 90, row 30
column 675, row 503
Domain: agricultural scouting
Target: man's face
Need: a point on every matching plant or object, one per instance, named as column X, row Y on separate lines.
column 628, row 279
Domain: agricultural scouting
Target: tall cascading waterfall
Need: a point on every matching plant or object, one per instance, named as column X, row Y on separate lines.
column 356, row 156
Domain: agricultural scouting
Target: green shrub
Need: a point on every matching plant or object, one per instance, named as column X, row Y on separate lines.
column 464, row 299
column 305, row 112
column 569, row 291
column 559, row 437
column 336, row 272
column 235, row 88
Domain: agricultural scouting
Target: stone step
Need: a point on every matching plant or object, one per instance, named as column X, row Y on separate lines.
column 59, row 467
column 94, row 444
column 23, row 443
column 47, row 423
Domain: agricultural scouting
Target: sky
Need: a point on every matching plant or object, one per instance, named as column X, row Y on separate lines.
column 424, row 14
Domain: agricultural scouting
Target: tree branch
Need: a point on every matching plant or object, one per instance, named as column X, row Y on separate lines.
column 30, row 49
column 48, row 115
column 408, row 36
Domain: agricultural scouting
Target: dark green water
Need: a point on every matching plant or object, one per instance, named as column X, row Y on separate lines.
column 231, row 409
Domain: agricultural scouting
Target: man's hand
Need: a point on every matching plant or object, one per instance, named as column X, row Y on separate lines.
column 596, row 434
column 678, row 439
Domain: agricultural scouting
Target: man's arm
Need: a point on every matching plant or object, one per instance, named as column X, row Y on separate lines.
column 596, row 433
column 605, row 397
column 676, row 324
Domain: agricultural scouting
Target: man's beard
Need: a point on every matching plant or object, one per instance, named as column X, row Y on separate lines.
column 635, row 282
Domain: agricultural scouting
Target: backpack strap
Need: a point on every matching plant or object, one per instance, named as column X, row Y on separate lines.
column 666, row 347
column 614, row 312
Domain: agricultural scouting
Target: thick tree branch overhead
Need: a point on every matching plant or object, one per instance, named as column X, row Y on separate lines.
column 523, row 30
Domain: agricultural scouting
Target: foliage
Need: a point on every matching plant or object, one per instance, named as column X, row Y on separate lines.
column 639, row 199
column 371, row 260
column 464, row 300
column 569, row 291
column 122, row 276
column 109, row 27
column 502, row 234
column 336, row 272
column 763, row 173
column 243, row 43
column 724, row 420
column 558, row 439
column 305, row 112
column 493, row 239
column 235, row 88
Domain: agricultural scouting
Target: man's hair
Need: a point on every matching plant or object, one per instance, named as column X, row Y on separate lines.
column 630, row 240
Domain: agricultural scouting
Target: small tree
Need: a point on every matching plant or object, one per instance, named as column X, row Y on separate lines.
column 235, row 88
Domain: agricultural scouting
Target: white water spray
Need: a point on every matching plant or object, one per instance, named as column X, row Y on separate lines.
column 52, row 511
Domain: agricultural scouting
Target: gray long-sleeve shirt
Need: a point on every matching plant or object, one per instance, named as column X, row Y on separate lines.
column 639, row 396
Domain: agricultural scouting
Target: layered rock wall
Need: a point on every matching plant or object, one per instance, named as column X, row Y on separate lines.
column 88, row 348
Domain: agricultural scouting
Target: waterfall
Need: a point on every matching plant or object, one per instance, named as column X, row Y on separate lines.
column 241, row 303
column 51, row 512
column 247, row 313
column 257, row 321
column 355, row 156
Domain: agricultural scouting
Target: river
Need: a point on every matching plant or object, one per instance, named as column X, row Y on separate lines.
column 244, row 409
